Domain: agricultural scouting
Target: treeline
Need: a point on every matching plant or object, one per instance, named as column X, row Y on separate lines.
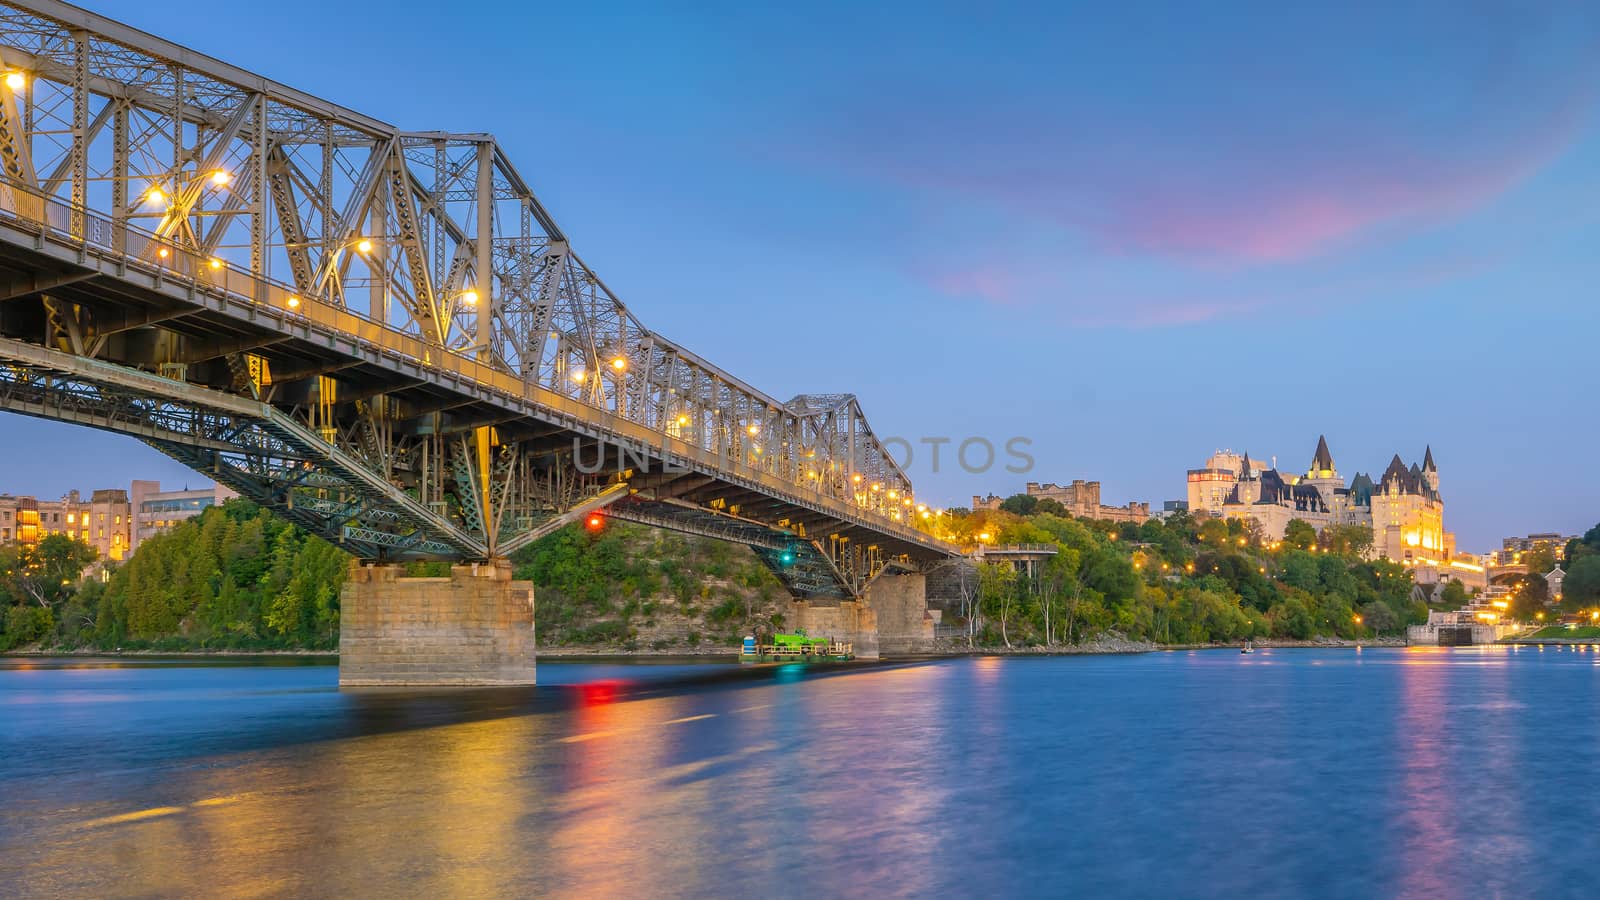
column 238, row 578
column 1178, row 581
column 233, row 578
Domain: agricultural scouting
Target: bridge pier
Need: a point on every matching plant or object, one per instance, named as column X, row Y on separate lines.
column 474, row 627
column 850, row 620
column 899, row 603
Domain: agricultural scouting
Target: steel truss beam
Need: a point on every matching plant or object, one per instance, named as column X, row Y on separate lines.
column 433, row 255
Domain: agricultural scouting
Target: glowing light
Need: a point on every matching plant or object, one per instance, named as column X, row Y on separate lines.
column 578, row 375
column 683, row 420
column 984, row 536
column 363, row 246
column 595, row 521
column 893, row 494
column 16, row 81
column 470, row 298
column 163, row 253
column 754, row 429
column 856, row 478
column 215, row 263
column 294, row 302
column 220, row 178
column 155, row 195
column 621, row 364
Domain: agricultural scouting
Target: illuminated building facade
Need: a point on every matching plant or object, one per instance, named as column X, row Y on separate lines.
column 103, row 521
column 1403, row 507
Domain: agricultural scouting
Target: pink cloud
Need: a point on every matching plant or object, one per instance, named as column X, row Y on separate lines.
column 1021, row 283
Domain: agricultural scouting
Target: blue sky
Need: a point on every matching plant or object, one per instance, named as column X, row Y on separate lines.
column 1132, row 233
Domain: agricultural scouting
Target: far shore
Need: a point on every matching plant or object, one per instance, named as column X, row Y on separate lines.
column 948, row 648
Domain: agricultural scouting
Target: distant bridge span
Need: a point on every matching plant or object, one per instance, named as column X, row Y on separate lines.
column 381, row 335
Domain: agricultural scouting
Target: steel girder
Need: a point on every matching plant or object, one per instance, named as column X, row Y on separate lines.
column 426, row 249
column 458, row 251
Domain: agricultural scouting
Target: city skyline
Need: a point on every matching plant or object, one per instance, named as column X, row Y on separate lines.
column 1231, row 234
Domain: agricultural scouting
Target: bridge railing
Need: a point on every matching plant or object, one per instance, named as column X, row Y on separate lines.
column 165, row 260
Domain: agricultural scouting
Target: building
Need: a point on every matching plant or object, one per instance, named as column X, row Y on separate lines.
column 1403, row 507
column 1080, row 498
column 1552, row 580
column 1512, row 548
column 1211, row 485
column 103, row 521
column 155, row 510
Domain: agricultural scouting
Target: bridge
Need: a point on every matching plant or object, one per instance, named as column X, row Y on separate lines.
column 383, row 336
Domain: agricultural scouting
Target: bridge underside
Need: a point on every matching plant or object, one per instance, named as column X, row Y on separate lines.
column 392, row 461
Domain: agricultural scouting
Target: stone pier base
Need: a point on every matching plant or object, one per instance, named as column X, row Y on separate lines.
column 851, row 621
column 474, row 627
column 899, row 603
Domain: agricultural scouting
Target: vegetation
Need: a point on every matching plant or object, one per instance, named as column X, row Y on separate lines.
column 1180, row 581
column 630, row 586
column 238, row 578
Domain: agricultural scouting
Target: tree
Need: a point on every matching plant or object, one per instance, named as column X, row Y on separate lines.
column 1540, row 560
column 1347, row 540
column 46, row 573
column 1377, row 616
column 1214, row 532
column 1454, row 595
column 1299, row 533
column 1292, row 619
column 1052, row 506
column 1019, row 504
column 997, row 591
column 1581, row 588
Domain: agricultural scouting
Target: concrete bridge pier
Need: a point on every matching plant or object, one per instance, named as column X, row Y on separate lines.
column 849, row 620
column 474, row 627
column 891, row 618
column 899, row 603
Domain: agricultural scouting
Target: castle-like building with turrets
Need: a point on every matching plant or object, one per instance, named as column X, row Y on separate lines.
column 1403, row 507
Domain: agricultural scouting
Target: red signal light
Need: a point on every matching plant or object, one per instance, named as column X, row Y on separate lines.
column 595, row 521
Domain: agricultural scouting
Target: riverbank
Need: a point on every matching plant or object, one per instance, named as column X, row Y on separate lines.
column 949, row 647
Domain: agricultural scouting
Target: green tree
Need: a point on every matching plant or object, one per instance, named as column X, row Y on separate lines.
column 1299, row 533
column 1379, row 617
column 997, row 593
column 1540, row 560
column 1581, row 588
column 1453, row 595
column 1019, row 504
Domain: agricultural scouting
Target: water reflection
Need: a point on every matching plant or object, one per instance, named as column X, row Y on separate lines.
column 1386, row 773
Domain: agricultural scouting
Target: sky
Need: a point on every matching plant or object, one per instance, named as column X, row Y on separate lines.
column 1130, row 234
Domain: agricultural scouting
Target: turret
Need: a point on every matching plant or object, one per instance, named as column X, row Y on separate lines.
column 1322, row 461
column 1430, row 472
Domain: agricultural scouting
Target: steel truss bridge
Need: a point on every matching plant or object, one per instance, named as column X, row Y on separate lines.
column 379, row 334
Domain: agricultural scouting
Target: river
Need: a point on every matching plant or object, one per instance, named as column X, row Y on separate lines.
column 1321, row 773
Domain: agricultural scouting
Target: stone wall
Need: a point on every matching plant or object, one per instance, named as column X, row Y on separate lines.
column 473, row 628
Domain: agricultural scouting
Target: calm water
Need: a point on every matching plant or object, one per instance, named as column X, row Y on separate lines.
column 1338, row 773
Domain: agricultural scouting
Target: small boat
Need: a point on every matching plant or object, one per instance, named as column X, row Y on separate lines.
column 1249, row 647
column 796, row 647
